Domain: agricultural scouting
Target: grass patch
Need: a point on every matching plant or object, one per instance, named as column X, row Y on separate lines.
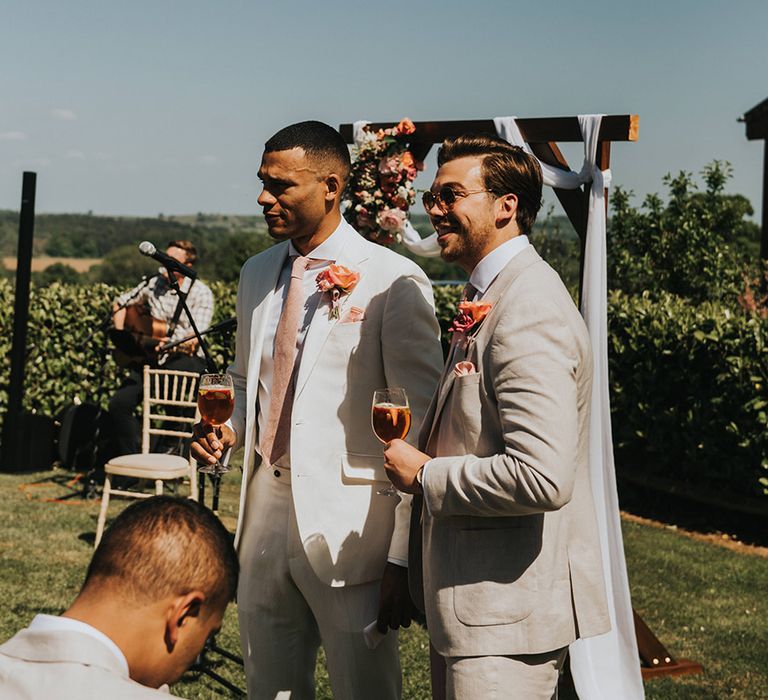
column 704, row 602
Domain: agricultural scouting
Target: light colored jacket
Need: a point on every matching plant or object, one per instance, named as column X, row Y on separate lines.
column 511, row 557
column 337, row 464
column 64, row 665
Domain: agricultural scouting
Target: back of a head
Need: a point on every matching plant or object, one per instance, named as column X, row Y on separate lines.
column 165, row 546
column 506, row 169
column 321, row 143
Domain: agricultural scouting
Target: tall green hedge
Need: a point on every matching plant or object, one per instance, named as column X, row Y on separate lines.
column 688, row 392
column 688, row 381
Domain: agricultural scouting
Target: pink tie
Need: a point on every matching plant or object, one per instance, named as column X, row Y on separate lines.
column 275, row 439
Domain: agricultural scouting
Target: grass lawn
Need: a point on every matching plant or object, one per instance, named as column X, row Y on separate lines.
column 704, row 602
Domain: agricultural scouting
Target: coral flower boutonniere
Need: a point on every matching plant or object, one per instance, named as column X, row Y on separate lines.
column 470, row 315
column 337, row 280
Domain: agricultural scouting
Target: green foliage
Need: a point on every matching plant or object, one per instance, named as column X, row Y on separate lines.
column 58, row 272
column 688, row 392
column 67, row 345
column 123, row 267
column 222, row 260
column 692, row 246
column 688, row 382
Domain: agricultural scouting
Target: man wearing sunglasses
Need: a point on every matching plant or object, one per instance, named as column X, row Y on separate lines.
column 511, row 559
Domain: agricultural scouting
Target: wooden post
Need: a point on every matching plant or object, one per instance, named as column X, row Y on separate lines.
column 13, row 440
column 764, row 228
column 756, row 121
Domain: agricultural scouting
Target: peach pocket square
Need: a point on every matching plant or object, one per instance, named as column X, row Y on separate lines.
column 462, row 369
column 354, row 315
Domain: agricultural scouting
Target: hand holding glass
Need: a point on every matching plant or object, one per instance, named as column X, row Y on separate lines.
column 215, row 401
column 391, row 420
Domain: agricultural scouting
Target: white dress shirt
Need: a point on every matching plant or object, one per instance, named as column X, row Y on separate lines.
column 491, row 265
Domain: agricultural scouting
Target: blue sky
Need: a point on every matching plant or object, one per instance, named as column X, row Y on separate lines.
column 147, row 107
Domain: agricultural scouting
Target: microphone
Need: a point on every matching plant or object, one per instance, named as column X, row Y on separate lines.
column 146, row 248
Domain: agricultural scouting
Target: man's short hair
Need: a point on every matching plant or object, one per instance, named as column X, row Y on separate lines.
column 187, row 247
column 506, row 169
column 321, row 143
column 164, row 546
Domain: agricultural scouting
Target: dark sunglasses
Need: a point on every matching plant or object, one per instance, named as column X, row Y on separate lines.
column 446, row 197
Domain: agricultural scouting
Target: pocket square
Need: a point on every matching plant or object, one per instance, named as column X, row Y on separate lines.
column 462, row 369
column 354, row 315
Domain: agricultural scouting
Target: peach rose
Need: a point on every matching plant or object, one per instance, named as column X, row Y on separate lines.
column 406, row 126
column 470, row 314
column 339, row 277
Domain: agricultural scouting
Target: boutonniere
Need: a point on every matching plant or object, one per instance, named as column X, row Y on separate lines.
column 470, row 315
column 337, row 280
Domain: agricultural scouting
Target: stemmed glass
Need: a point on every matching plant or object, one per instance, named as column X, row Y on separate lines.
column 215, row 401
column 391, row 420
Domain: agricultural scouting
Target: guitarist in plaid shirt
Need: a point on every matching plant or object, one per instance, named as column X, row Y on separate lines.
column 153, row 314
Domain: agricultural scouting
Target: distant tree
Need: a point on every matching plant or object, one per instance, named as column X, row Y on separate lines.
column 57, row 272
column 223, row 258
column 123, row 267
column 691, row 246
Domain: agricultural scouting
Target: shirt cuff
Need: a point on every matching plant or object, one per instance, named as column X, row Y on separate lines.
column 398, row 562
column 422, row 479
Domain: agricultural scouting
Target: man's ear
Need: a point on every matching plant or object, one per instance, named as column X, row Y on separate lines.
column 506, row 209
column 334, row 185
column 177, row 614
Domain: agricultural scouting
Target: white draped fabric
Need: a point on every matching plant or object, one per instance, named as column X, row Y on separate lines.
column 605, row 667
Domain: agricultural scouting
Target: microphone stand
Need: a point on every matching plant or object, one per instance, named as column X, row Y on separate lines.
column 210, row 365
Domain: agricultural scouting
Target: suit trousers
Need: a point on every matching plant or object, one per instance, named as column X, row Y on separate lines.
column 523, row 677
column 286, row 612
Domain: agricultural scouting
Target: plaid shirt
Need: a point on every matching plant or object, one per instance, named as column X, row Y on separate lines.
column 161, row 299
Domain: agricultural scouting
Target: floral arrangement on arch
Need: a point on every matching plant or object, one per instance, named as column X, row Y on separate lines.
column 380, row 189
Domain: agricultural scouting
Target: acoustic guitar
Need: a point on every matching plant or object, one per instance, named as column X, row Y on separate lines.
column 138, row 342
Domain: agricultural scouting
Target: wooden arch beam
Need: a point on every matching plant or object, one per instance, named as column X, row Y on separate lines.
column 542, row 134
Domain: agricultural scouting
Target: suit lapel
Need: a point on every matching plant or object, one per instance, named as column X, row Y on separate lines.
column 354, row 256
column 494, row 295
column 263, row 293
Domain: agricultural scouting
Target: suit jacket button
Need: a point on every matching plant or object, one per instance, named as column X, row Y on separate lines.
column 277, row 472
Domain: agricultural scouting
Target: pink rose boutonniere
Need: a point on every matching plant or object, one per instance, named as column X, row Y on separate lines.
column 470, row 315
column 337, row 280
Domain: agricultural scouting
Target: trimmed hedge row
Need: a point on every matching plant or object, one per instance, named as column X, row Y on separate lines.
column 688, row 382
column 688, row 392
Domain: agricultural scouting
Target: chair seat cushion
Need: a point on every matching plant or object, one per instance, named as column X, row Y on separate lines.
column 149, row 466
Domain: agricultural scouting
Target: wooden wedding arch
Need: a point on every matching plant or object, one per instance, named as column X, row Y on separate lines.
column 542, row 134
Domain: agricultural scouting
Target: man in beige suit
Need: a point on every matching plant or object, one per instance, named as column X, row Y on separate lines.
column 511, row 559
column 323, row 553
column 156, row 589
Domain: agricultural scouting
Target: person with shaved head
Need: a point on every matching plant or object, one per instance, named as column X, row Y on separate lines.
column 156, row 589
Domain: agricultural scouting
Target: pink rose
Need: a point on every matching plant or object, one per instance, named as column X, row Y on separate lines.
column 392, row 219
column 389, row 166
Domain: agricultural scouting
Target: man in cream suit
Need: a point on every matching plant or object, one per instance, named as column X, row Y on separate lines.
column 323, row 553
column 156, row 589
column 511, row 559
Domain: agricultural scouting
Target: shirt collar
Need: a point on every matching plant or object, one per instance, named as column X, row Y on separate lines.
column 492, row 264
column 331, row 248
column 53, row 623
